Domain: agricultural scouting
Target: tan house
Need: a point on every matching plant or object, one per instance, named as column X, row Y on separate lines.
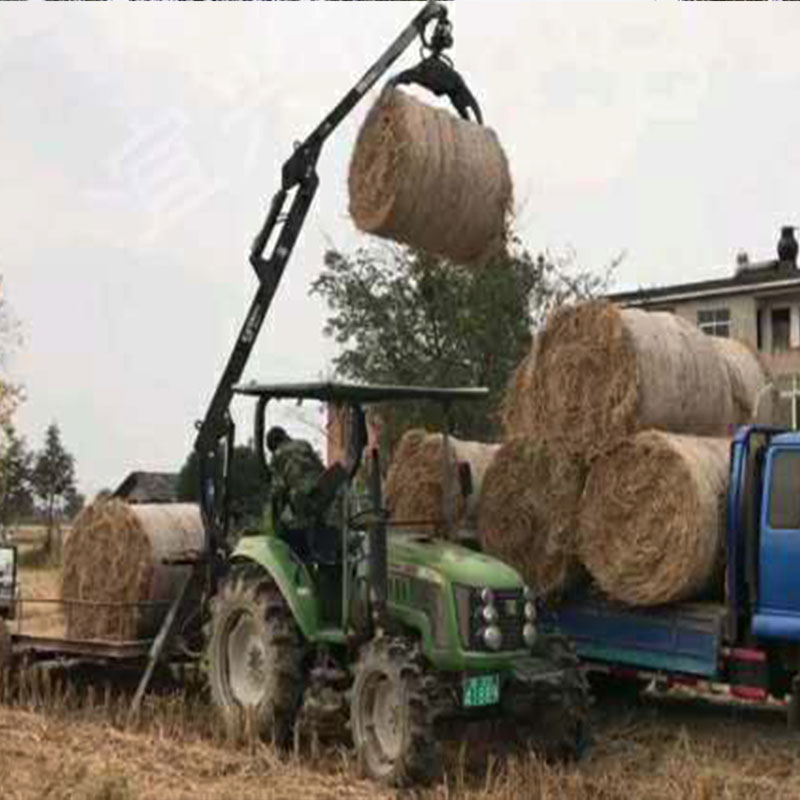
column 758, row 304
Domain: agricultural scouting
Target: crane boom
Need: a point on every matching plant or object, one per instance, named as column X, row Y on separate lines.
column 214, row 439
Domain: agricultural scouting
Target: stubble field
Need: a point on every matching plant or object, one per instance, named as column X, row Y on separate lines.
column 64, row 740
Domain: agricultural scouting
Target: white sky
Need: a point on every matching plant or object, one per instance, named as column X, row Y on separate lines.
column 140, row 143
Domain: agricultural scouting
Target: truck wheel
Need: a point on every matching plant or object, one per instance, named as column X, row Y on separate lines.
column 254, row 657
column 391, row 715
column 605, row 686
column 793, row 711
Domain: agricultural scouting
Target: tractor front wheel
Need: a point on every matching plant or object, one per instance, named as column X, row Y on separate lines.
column 254, row 657
column 392, row 716
column 559, row 729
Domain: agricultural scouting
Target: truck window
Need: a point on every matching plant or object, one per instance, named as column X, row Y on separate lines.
column 784, row 498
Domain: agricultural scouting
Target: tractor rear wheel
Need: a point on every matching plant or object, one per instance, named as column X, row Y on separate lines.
column 392, row 714
column 254, row 657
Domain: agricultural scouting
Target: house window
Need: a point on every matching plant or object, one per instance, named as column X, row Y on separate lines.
column 787, row 413
column 780, row 329
column 759, row 333
column 715, row 321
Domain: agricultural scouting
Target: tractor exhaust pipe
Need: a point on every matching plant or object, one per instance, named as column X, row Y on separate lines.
column 378, row 558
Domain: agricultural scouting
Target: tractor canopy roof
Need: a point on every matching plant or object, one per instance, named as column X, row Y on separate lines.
column 333, row 392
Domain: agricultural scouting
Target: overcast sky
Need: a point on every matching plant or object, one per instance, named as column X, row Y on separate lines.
column 139, row 144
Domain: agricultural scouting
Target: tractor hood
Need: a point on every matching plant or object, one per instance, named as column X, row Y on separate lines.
column 426, row 557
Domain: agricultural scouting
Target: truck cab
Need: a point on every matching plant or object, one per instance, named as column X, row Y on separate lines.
column 764, row 536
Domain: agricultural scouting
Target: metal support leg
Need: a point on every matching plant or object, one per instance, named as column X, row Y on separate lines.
column 160, row 642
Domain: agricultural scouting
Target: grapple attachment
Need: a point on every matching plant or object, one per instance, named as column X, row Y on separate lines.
column 436, row 72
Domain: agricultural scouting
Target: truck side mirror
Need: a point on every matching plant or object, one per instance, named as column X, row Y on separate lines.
column 465, row 479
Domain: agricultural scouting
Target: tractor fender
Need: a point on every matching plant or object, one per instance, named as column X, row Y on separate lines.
column 290, row 575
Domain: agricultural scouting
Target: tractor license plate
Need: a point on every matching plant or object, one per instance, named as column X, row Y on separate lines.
column 483, row 690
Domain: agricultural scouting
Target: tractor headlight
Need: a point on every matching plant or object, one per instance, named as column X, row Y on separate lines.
column 530, row 611
column 491, row 619
column 529, row 634
column 492, row 637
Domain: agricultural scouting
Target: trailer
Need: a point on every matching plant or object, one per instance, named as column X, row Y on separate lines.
column 750, row 640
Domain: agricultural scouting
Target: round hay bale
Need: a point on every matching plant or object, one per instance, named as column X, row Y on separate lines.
column 603, row 373
column 516, row 410
column 415, row 491
column 652, row 521
column 424, row 177
column 527, row 512
column 754, row 395
column 114, row 556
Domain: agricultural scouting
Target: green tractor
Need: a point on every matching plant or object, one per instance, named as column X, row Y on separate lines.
column 390, row 632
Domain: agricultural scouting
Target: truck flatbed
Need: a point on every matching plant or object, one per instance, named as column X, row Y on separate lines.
column 684, row 639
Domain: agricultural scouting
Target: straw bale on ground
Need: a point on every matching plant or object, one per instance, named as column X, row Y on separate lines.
column 415, row 489
column 527, row 512
column 114, row 556
column 424, row 177
column 652, row 526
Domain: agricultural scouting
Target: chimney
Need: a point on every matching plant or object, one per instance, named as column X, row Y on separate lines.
column 787, row 246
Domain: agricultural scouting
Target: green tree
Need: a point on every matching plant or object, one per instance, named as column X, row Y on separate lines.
column 249, row 490
column 404, row 316
column 74, row 502
column 53, row 479
column 16, row 462
column 10, row 338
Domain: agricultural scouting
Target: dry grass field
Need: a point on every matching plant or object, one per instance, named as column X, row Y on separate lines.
column 67, row 737
column 663, row 749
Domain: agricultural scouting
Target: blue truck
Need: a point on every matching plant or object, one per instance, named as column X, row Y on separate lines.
column 750, row 641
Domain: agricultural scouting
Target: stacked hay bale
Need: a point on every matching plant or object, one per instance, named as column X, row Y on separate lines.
column 648, row 525
column 422, row 176
column 422, row 486
column 113, row 567
column 527, row 509
column 652, row 519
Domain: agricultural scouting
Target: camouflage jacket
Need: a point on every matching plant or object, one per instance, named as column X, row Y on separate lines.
column 296, row 468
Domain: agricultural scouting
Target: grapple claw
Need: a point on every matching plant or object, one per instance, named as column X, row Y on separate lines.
column 437, row 76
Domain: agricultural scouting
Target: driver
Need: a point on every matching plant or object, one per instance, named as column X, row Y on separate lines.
column 297, row 508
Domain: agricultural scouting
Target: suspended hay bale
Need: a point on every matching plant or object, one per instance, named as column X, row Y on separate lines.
column 603, row 373
column 527, row 512
column 415, row 490
column 424, row 177
column 114, row 556
column 754, row 395
column 652, row 527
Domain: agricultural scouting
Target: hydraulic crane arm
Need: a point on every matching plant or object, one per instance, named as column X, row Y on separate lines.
column 214, row 440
